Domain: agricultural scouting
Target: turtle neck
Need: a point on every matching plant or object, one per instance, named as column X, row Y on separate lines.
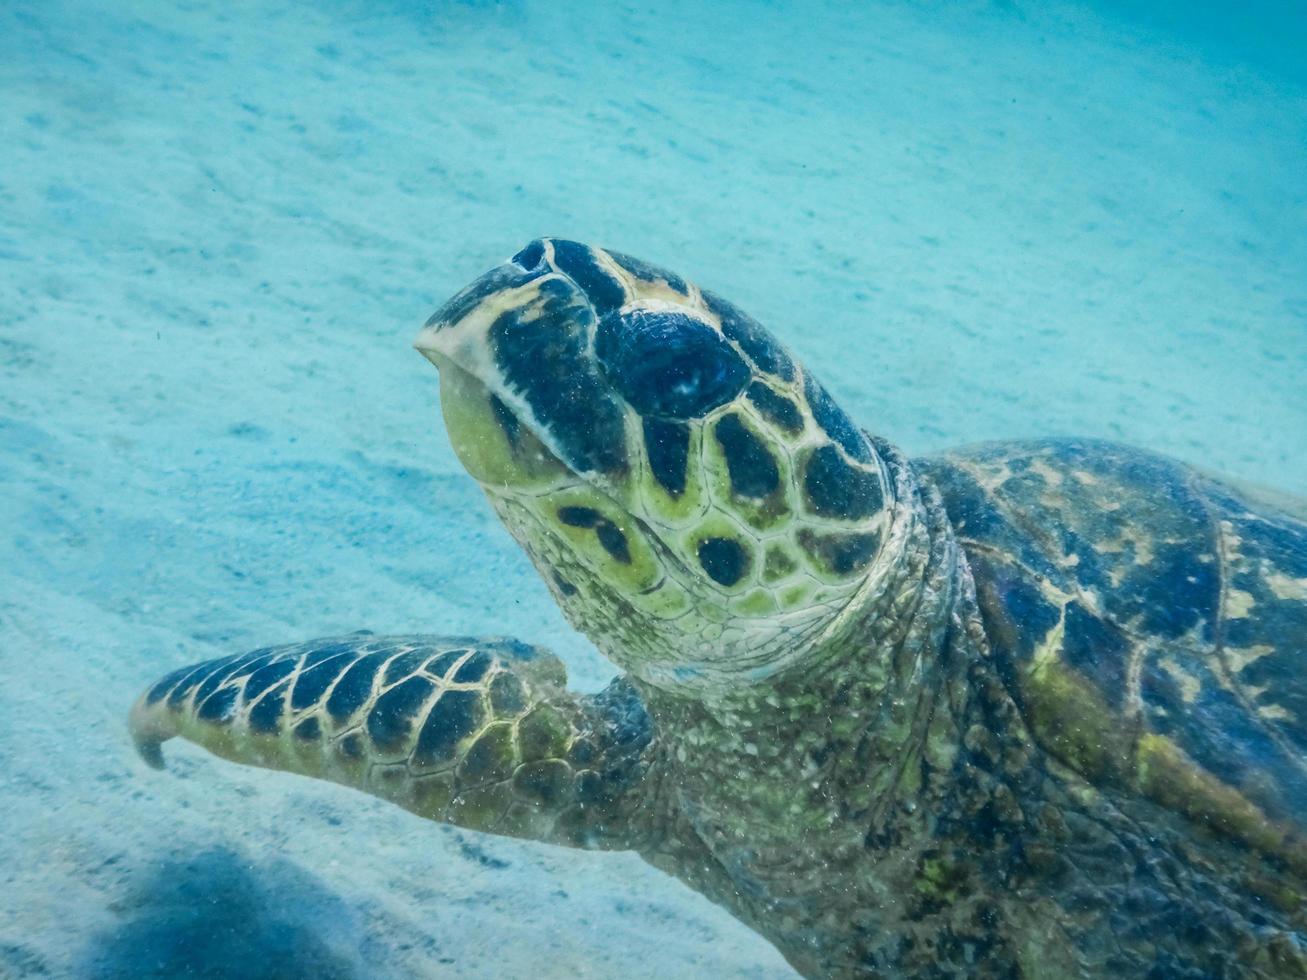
column 814, row 796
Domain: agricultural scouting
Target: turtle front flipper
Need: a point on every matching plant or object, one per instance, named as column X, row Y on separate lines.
column 475, row 732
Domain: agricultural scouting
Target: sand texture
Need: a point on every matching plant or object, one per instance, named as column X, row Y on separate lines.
column 222, row 223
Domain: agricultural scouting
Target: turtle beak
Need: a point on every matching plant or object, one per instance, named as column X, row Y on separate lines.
column 442, row 343
column 457, row 332
column 425, row 344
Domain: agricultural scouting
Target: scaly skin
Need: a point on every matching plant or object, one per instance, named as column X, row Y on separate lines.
column 475, row 732
column 814, row 729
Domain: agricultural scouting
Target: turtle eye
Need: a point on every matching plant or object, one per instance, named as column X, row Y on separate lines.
column 669, row 365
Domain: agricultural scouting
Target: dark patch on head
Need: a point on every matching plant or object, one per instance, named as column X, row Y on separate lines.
column 609, row 534
column 530, row 257
column 507, row 696
column 265, row 717
column 391, row 717
column 842, row 554
column 579, row 516
column 467, row 299
column 545, row 359
column 506, row 420
column 456, row 715
column 354, row 687
column 752, row 337
column 313, row 683
column 648, row 272
column 669, row 365
column 724, row 559
column 613, row 541
column 217, row 706
column 667, row 444
column 777, row 409
column 564, row 586
column 752, row 469
column 474, row 668
column 835, row 489
column 309, row 730
column 578, row 263
column 265, row 677
column 832, row 418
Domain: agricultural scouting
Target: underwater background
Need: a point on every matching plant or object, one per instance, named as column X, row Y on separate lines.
column 222, row 223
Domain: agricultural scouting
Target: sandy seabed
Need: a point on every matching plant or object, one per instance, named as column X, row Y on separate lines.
column 221, row 225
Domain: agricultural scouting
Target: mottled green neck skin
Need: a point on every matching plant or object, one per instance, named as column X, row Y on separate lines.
column 807, row 803
column 882, row 809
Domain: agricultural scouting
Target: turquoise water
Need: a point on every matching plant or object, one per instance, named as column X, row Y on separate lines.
column 221, row 225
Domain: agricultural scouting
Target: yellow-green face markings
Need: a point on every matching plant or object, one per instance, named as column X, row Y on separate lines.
column 696, row 501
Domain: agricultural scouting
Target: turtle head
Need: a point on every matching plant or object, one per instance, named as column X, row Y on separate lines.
column 697, row 503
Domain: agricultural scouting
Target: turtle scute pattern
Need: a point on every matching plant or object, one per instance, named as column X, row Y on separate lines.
column 1154, row 621
column 474, row 732
column 661, row 455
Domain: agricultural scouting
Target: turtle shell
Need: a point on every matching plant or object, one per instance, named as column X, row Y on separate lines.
column 1151, row 621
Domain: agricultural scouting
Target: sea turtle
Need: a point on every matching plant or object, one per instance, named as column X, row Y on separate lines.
column 1030, row 709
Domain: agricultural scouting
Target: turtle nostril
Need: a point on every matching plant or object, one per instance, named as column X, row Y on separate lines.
column 531, row 256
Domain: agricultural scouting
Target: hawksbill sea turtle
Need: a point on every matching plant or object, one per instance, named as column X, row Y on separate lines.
column 1028, row 709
